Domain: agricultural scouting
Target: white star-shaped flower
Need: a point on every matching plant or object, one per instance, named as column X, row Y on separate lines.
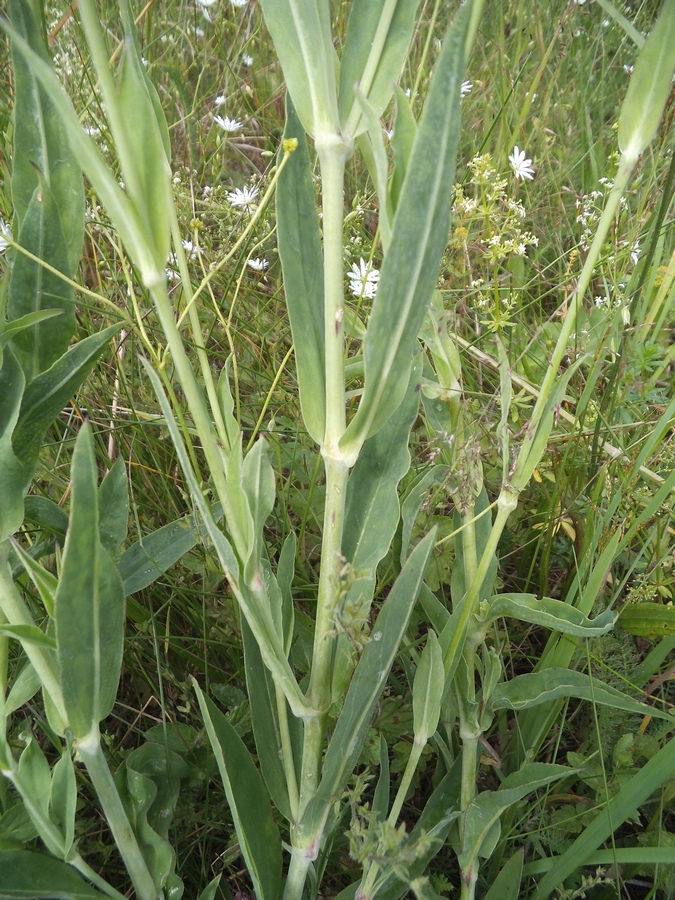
column 522, row 167
column 467, row 87
column 242, row 198
column 363, row 279
column 257, row 264
column 227, row 124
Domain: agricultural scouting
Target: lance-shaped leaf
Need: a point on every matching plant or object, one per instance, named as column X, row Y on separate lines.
column 372, row 513
column 89, row 605
column 253, row 605
column 25, row 875
column 364, row 691
column 302, row 263
column 139, row 244
column 649, row 86
column 266, row 726
column 12, row 382
column 149, row 180
column 46, row 395
column 428, row 688
column 402, row 143
column 301, row 33
column 419, row 234
column 33, row 288
column 259, row 489
column 113, row 508
column 249, row 802
column 147, row 559
column 378, row 36
column 652, row 620
column 536, row 688
column 484, row 812
column 41, row 147
column 553, row 614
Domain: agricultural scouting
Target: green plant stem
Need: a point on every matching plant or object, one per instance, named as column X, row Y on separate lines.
column 16, row 612
column 197, row 405
column 95, row 763
column 333, row 153
column 408, row 774
column 287, row 752
column 297, row 875
column 91, row 875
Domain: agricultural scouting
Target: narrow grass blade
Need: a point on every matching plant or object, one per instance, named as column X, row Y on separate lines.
column 536, row 688
column 366, row 686
column 25, row 875
column 302, row 263
column 378, row 36
column 89, row 605
column 302, row 38
column 553, row 614
column 657, row 771
column 420, row 230
column 41, row 148
column 249, row 803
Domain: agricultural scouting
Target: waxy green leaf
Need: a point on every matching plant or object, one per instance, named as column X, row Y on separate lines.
column 89, row 605
column 301, row 32
column 249, row 802
column 378, row 36
column 299, row 242
column 553, row 614
column 366, row 687
column 537, row 688
column 420, row 230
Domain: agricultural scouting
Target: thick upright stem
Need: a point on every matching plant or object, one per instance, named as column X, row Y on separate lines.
column 333, row 153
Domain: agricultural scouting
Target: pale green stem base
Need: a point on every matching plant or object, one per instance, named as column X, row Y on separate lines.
column 125, row 839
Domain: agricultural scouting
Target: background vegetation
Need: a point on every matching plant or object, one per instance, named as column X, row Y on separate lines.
column 544, row 77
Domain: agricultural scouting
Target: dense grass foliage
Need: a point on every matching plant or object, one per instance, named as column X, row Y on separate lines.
column 593, row 527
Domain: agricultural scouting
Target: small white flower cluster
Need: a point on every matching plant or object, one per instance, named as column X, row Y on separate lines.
column 363, row 279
